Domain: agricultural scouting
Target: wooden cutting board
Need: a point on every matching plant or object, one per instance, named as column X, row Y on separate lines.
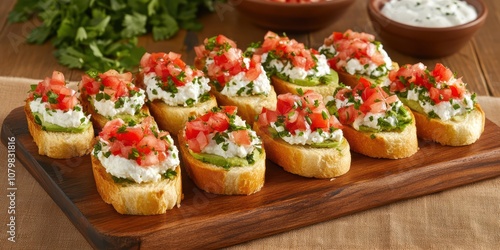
column 286, row 202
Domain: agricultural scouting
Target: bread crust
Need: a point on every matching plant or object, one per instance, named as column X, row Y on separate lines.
column 173, row 118
column 249, row 107
column 390, row 145
column 452, row 133
column 137, row 199
column 306, row 161
column 59, row 145
column 283, row 87
column 244, row 180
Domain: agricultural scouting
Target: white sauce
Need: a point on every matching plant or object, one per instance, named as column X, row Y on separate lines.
column 261, row 85
column 130, row 105
column 430, row 13
column 232, row 150
column 125, row 168
column 190, row 91
column 68, row 119
column 289, row 70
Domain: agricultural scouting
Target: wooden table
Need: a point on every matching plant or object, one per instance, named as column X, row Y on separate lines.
column 476, row 62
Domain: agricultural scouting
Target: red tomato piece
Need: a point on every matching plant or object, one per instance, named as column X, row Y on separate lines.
column 348, row 114
column 241, row 137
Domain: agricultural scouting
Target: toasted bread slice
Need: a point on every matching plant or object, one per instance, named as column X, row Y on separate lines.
column 173, row 118
column 248, row 106
column 59, row 145
column 244, row 180
column 390, row 145
column 306, row 161
column 452, row 133
column 138, row 198
column 283, row 87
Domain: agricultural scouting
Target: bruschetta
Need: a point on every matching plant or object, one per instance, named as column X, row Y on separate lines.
column 56, row 119
column 174, row 89
column 222, row 154
column 292, row 66
column 111, row 95
column 374, row 123
column 236, row 80
column 136, row 167
column 357, row 54
column 445, row 111
column 303, row 138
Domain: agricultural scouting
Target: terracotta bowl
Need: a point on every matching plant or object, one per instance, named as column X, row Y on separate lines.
column 424, row 42
column 278, row 16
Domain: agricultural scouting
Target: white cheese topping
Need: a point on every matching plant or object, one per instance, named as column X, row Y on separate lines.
column 293, row 72
column 190, row 92
column 240, row 86
column 445, row 110
column 430, row 13
column 125, row 168
column 69, row 119
column 130, row 105
column 228, row 148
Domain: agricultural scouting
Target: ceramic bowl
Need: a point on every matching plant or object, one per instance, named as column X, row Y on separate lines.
column 424, row 42
column 279, row 16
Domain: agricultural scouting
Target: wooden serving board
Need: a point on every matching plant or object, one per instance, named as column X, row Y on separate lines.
column 286, row 202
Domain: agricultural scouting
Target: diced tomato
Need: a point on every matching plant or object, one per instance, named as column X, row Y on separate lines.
column 218, row 122
column 198, row 143
column 148, row 160
column 299, row 124
column 229, row 109
column 319, row 120
column 434, row 94
column 285, row 102
column 57, row 78
column 348, row 114
column 221, row 39
column 441, row 73
column 241, row 137
column 130, row 136
column 457, row 91
column 195, row 127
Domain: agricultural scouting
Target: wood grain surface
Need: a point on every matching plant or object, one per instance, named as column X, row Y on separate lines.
column 477, row 62
column 286, row 202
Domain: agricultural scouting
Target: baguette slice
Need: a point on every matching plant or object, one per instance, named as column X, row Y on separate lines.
column 248, row 106
column 283, row 87
column 306, row 161
column 59, row 145
column 452, row 133
column 137, row 199
column 214, row 179
column 390, row 145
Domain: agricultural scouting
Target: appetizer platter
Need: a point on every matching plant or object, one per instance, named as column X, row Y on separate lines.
column 194, row 174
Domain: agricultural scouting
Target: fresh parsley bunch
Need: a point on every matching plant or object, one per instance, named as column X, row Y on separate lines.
column 103, row 34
